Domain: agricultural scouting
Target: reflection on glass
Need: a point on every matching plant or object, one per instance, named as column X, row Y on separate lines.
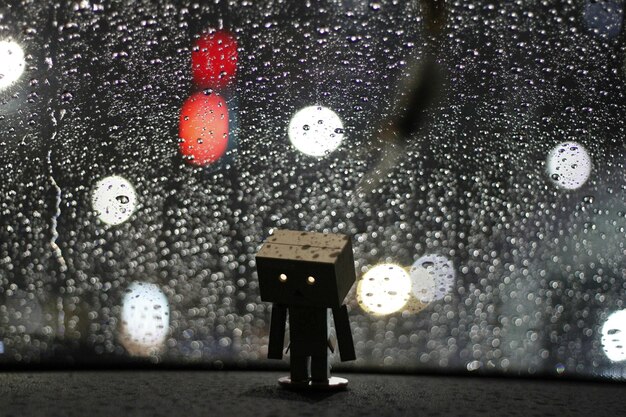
column 11, row 63
column 432, row 277
column 315, row 131
column 569, row 165
column 145, row 319
column 604, row 17
column 114, row 200
column 384, row 289
column 614, row 336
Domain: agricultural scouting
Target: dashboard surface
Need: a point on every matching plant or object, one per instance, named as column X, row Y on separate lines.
column 205, row 393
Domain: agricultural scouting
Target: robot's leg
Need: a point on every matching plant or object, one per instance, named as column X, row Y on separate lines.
column 320, row 371
column 299, row 368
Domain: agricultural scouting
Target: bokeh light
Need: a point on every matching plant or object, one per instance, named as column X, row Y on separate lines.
column 203, row 128
column 432, row 277
column 614, row 336
column 569, row 165
column 315, row 131
column 145, row 319
column 214, row 60
column 114, row 200
column 12, row 63
column 384, row 289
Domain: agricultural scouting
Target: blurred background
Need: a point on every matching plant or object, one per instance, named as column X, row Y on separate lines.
column 473, row 150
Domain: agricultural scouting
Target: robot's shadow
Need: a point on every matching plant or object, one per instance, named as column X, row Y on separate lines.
column 275, row 392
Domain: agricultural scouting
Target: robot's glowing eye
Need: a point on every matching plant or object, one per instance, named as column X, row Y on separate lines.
column 310, row 280
column 282, row 277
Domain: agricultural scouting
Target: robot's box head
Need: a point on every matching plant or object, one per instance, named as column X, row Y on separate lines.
column 305, row 268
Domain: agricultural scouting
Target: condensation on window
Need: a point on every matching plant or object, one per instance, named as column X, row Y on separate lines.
column 474, row 152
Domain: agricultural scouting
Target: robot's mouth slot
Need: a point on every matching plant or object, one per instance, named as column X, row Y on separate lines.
column 298, row 293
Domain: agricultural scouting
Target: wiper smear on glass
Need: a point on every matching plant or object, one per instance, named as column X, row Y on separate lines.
column 422, row 82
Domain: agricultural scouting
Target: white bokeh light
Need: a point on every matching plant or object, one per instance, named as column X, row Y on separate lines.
column 432, row 277
column 12, row 63
column 315, row 131
column 114, row 200
column 614, row 336
column 569, row 165
column 384, row 289
column 145, row 319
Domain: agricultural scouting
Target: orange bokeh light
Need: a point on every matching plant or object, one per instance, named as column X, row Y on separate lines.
column 203, row 128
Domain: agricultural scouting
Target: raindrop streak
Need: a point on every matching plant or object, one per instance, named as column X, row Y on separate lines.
column 55, row 217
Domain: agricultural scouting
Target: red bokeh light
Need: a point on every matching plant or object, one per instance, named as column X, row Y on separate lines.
column 214, row 60
column 203, row 128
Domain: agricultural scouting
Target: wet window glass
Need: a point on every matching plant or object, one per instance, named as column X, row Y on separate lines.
column 474, row 152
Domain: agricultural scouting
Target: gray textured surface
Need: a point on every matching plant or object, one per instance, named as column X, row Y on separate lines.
column 211, row 393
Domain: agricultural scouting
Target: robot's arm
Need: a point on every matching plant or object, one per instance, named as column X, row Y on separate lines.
column 277, row 331
column 344, row 335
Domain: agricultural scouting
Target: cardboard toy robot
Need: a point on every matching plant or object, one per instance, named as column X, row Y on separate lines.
column 307, row 274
